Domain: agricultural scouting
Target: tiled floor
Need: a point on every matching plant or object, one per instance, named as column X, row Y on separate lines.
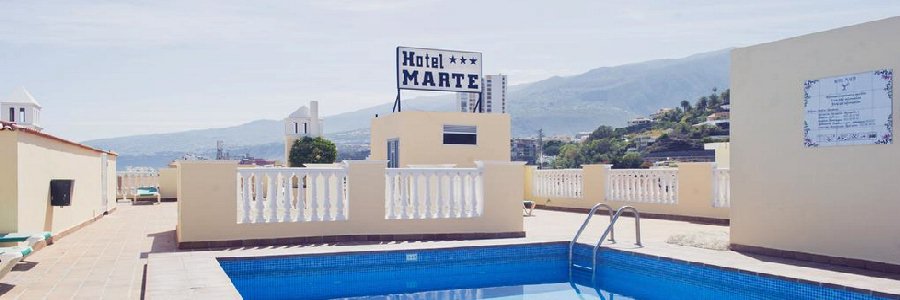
column 106, row 259
column 102, row 260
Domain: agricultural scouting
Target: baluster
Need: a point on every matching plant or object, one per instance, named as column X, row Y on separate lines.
column 245, row 196
column 289, row 208
column 470, row 204
column 451, row 195
column 389, row 206
column 302, row 199
column 314, row 208
column 427, row 213
column 272, row 181
column 339, row 212
column 440, row 194
column 414, row 193
column 326, row 196
column 258, row 197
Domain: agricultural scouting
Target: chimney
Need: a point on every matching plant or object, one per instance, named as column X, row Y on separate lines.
column 314, row 110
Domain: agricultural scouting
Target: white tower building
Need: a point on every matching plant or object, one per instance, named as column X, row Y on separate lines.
column 494, row 95
column 301, row 123
column 21, row 108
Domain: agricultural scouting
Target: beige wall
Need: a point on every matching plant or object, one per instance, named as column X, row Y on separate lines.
column 168, row 183
column 421, row 138
column 723, row 154
column 695, row 190
column 838, row 201
column 37, row 160
column 207, row 205
column 9, row 181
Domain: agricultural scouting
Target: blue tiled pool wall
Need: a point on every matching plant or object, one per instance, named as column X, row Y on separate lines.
column 621, row 270
column 375, row 273
column 368, row 273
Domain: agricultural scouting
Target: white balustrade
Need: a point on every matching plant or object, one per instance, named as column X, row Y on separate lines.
column 129, row 181
column 562, row 183
column 433, row 193
column 643, row 185
column 272, row 195
column 722, row 188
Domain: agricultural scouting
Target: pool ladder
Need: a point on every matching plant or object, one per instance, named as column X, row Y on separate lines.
column 608, row 232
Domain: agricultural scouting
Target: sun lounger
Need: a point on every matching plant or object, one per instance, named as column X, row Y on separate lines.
column 146, row 192
column 10, row 256
column 7, row 262
column 30, row 238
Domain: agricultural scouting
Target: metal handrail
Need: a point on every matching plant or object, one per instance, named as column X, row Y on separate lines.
column 612, row 236
column 637, row 229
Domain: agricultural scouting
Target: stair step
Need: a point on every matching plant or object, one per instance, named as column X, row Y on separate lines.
column 581, row 267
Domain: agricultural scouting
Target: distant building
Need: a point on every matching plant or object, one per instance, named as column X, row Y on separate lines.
column 21, row 108
column 494, row 96
column 248, row 160
column 722, row 115
column 681, row 156
column 302, row 123
column 641, row 142
column 661, row 112
column 524, row 149
column 582, row 136
column 639, row 121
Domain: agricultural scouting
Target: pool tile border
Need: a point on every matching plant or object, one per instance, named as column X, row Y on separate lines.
column 312, row 240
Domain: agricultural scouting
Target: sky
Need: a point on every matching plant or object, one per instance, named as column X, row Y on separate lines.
column 106, row 69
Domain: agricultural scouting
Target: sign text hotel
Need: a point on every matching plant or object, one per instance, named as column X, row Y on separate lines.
column 438, row 70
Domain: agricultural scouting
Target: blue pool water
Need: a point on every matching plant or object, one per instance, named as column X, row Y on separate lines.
column 535, row 271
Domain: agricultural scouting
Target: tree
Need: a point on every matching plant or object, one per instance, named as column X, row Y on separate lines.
column 551, row 147
column 631, row 160
column 603, row 132
column 312, row 151
column 686, row 105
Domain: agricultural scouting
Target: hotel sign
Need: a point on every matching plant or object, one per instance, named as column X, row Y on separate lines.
column 854, row 109
column 438, row 70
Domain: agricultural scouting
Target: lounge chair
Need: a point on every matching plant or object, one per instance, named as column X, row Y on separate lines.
column 528, row 207
column 10, row 256
column 29, row 238
column 147, row 192
column 7, row 262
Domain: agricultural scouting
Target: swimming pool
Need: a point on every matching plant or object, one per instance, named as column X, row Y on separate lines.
column 530, row 271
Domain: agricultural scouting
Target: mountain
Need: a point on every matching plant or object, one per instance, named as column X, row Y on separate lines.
column 613, row 95
column 559, row 105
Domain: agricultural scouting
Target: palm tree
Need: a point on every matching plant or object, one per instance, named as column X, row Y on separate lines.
column 686, row 105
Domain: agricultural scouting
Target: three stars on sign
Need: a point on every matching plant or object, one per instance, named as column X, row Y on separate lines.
column 462, row 60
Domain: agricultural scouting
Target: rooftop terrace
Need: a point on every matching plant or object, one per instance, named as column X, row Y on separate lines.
column 131, row 253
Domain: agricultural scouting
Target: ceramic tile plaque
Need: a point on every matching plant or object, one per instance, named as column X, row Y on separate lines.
column 854, row 109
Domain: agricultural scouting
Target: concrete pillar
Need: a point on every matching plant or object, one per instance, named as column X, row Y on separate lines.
column 209, row 186
column 503, row 193
column 594, row 185
column 365, row 191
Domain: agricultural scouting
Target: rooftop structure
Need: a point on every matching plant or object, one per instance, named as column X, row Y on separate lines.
column 21, row 108
column 304, row 122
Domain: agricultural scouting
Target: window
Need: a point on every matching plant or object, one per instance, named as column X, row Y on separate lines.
column 296, row 130
column 12, row 114
column 22, row 114
column 460, row 135
column 393, row 153
column 305, row 128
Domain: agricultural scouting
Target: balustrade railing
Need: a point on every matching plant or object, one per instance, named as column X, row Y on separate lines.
column 643, row 185
column 433, row 193
column 563, row 183
column 722, row 188
column 271, row 195
column 130, row 181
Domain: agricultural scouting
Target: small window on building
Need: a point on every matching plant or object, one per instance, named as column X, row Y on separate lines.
column 296, row 129
column 22, row 114
column 12, row 114
column 305, row 128
column 460, row 135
